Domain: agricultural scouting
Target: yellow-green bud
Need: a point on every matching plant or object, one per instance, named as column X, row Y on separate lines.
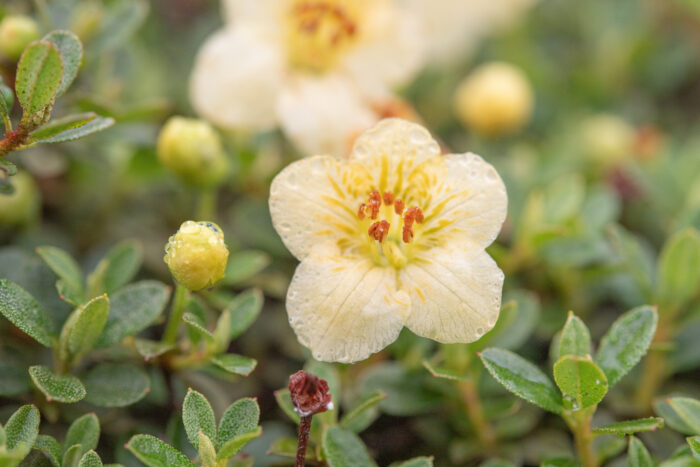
column 494, row 99
column 22, row 206
column 197, row 254
column 607, row 139
column 192, row 149
column 16, row 32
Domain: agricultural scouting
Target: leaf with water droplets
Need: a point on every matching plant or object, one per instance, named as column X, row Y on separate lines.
column 575, row 338
column 631, row 426
column 581, row 381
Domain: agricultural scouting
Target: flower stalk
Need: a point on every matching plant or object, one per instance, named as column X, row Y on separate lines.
column 580, row 424
column 170, row 333
column 309, row 396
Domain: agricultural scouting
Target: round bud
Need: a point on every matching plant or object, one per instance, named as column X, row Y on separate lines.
column 16, row 33
column 22, row 206
column 197, row 255
column 607, row 139
column 192, row 149
column 495, row 99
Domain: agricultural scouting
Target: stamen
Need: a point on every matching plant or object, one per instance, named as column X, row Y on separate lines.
column 407, row 234
column 375, row 202
column 361, row 211
column 399, row 206
column 388, row 198
column 379, row 230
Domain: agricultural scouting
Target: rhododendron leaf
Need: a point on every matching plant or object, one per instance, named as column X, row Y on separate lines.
column 363, row 413
column 22, row 310
column 85, row 431
column 679, row 269
column 344, row 448
column 244, row 309
column 90, row 459
column 39, row 76
column 57, row 387
column 581, row 382
column 637, row 454
column 197, row 415
column 64, row 266
column 155, row 453
column 115, row 385
column 233, row 363
column 71, row 51
column 231, row 447
column 575, row 338
column 631, row 426
column 240, row 417
column 522, row 378
column 243, row 265
column 50, row 447
column 626, row 342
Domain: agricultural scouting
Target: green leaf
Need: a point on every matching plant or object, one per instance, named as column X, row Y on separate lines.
column 50, row 447
column 71, row 51
column 694, row 443
column 636, row 260
column 39, row 76
column 231, row 447
column 22, row 428
column 679, row 268
column 6, row 99
column 688, row 410
column 626, row 342
column 409, row 392
column 417, row 462
column 522, row 378
column 149, row 349
column 22, row 310
column 85, row 431
column 64, row 266
column 222, row 332
column 60, row 125
column 90, row 459
column 91, row 126
column 240, row 417
column 344, row 448
column 133, row 308
column 83, row 328
column 57, row 387
column 72, row 456
column 115, row 385
column 122, row 19
column 8, row 167
column 560, row 462
column 244, row 309
column 15, row 379
column 67, row 294
column 234, row 363
column 671, row 418
column 197, row 323
column 286, row 446
column 581, row 382
column 197, row 415
column 637, row 454
column 515, row 324
column 575, row 338
column 155, row 453
column 284, row 401
column 357, row 418
column 207, row 452
column 444, row 373
column 123, row 262
column 243, row 265
column 631, row 426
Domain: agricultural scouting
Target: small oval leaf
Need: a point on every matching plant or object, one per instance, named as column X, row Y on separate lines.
column 115, row 385
column 197, row 415
column 57, row 387
column 155, row 453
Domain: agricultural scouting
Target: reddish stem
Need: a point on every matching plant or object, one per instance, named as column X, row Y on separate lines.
column 304, row 429
column 13, row 140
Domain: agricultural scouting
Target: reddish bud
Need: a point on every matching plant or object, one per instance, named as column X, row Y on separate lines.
column 309, row 394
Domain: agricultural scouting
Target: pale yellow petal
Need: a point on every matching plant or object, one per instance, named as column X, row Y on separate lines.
column 344, row 309
column 390, row 52
column 323, row 114
column 455, row 293
column 236, row 79
column 235, row 11
column 394, row 152
column 315, row 200
column 469, row 203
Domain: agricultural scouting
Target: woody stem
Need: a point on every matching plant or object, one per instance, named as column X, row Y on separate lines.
column 304, row 429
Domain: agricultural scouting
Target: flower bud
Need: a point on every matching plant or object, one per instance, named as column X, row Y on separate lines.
column 22, row 206
column 197, row 255
column 495, row 99
column 309, row 394
column 607, row 139
column 16, row 32
column 192, row 149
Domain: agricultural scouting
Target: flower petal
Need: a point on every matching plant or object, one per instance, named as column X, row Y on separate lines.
column 245, row 10
column 391, row 51
column 236, row 79
column 393, row 151
column 343, row 309
column 469, row 203
column 323, row 114
column 315, row 200
column 455, row 293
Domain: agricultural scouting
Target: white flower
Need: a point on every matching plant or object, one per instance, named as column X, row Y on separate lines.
column 394, row 236
column 453, row 28
column 312, row 67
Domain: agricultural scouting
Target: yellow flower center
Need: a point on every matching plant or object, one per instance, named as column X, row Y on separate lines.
column 319, row 31
column 390, row 228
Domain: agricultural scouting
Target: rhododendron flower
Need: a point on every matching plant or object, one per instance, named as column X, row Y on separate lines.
column 453, row 28
column 316, row 68
column 392, row 237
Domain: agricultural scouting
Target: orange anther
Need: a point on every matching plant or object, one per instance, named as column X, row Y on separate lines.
column 388, row 198
column 375, row 202
column 379, row 230
column 399, row 206
column 361, row 211
column 407, row 234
